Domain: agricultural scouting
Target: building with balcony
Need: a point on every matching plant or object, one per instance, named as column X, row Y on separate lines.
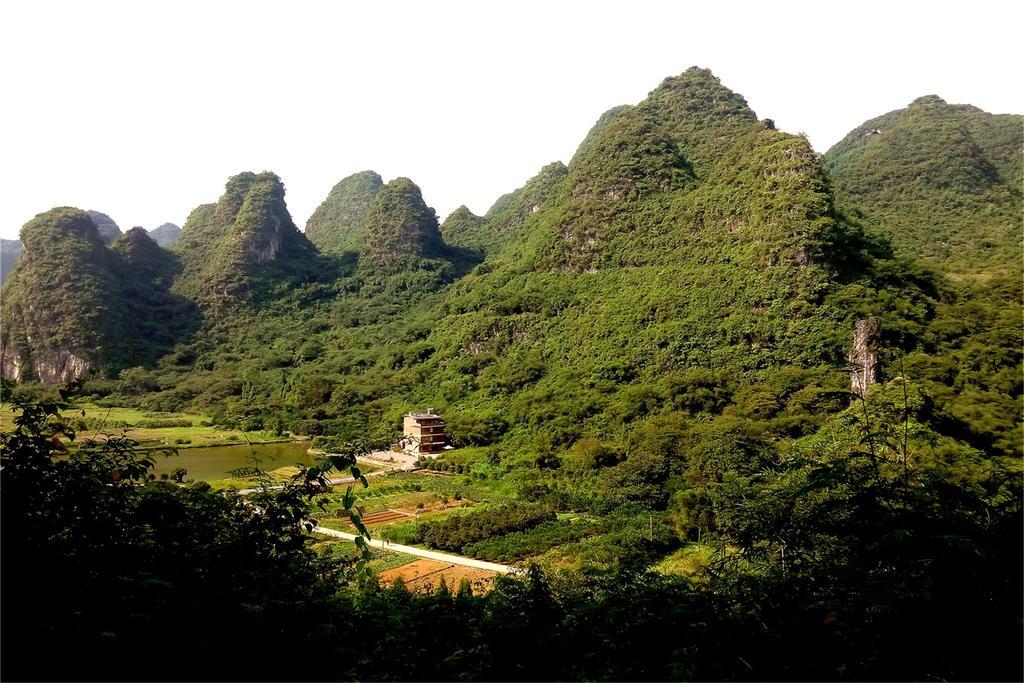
column 423, row 433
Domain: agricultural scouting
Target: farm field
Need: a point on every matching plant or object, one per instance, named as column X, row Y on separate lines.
column 152, row 428
column 424, row 575
column 476, row 518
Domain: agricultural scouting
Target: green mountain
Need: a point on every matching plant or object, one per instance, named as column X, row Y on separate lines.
column 400, row 232
column 243, row 246
column 165, row 234
column 337, row 224
column 73, row 304
column 942, row 181
column 645, row 360
column 141, row 252
column 55, row 336
column 10, row 250
column 466, row 229
column 504, row 220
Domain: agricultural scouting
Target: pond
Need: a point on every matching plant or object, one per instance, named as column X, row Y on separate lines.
column 208, row 463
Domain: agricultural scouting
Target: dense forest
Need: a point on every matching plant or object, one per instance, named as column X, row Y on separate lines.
column 653, row 338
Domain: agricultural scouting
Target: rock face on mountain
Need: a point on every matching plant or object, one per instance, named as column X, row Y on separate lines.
column 246, row 241
column 400, row 232
column 166, row 234
column 337, row 224
column 10, row 250
column 107, row 229
column 941, row 181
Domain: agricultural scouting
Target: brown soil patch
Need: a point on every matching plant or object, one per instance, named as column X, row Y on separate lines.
column 423, row 575
column 385, row 517
column 402, row 514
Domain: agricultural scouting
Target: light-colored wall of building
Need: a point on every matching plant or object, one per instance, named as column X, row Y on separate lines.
column 423, row 434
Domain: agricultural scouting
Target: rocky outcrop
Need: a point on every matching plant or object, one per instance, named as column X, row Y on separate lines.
column 865, row 365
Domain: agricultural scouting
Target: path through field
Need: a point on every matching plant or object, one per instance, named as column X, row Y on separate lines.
column 421, row 552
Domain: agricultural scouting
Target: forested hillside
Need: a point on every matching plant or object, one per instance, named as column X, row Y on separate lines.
column 941, row 181
column 654, row 338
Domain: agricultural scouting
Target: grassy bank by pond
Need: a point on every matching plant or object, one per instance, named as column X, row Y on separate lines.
column 154, row 429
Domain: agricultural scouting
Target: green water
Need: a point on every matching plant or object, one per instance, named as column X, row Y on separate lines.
column 216, row 462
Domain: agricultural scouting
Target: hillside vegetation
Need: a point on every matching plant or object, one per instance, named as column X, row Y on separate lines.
column 653, row 339
column 941, row 181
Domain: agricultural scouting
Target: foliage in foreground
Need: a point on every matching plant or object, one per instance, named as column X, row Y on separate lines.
column 866, row 558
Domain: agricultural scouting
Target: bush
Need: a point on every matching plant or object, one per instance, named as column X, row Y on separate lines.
column 163, row 423
column 458, row 531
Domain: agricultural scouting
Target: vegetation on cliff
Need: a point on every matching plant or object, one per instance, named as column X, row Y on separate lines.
column 942, row 181
column 103, row 308
column 245, row 246
column 336, row 226
column 657, row 331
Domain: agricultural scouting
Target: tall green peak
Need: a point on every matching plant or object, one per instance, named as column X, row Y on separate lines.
column 72, row 303
column 464, row 228
column 143, row 254
column 337, row 224
column 699, row 114
column 643, row 171
column 941, row 181
column 503, row 222
column 400, row 230
column 105, row 225
column 247, row 236
column 666, row 142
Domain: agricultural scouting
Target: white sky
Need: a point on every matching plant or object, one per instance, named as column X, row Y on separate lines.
column 142, row 109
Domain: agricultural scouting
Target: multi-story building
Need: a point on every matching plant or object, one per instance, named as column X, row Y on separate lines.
column 423, row 432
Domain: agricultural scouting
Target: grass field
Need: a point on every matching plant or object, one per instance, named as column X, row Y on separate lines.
column 92, row 421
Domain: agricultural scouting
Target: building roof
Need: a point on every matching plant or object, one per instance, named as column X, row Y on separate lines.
column 429, row 412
